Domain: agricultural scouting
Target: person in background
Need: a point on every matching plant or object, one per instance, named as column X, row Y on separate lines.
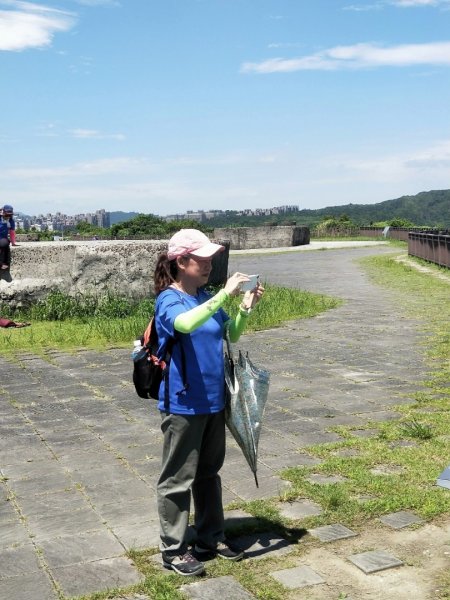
column 191, row 398
column 7, row 235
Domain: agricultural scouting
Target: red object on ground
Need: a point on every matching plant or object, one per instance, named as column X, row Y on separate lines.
column 8, row 323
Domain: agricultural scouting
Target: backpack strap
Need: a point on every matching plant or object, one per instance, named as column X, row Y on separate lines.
column 150, row 341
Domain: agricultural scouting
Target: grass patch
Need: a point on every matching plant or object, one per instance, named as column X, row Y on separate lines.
column 443, row 582
column 87, row 321
column 414, row 429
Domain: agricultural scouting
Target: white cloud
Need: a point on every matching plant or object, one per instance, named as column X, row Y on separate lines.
column 363, row 7
column 284, row 45
column 408, row 3
column 431, row 162
column 98, row 2
column 399, row 3
column 93, row 134
column 358, row 56
column 28, row 25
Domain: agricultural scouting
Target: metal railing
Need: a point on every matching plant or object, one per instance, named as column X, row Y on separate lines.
column 434, row 247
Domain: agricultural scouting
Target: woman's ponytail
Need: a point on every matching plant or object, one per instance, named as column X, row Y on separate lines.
column 165, row 273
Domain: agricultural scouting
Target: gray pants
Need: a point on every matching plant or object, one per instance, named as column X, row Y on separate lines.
column 193, row 454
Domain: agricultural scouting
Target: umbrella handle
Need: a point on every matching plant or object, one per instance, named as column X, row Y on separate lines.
column 228, row 342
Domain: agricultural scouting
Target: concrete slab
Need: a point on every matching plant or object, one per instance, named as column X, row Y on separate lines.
column 13, row 533
column 138, row 536
column 372, row 562
column 263, row 545
column 236, row 519
column 91, row 577
column 16, row 561
column 85, row 547
column 299, row 509
column 28, row 587
column 298, row 577
column 365, row 433
column 61, row 524
column 401, row 519
column 332, row 533
column 320, row 479
column 66, row 500
column 387, row 470
column 219, row 587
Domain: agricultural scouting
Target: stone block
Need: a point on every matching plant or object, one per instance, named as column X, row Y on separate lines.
column 34, row 586
column 98, row 576
column 372, row 562
column 72, row 267
column 52, row 503
column 300, row 509
column 15, row 561
column 400, row 519
column 387, row 470
column 29, row 487
column 245, row 489
column 220, row 587
column 235, row 519
column 61, row 524
column 403, row 444
column 365, row 433
column 263, row 545
column 139, row 536
column 13, row 533
column 132, row 511
column 285, row 461
column 332, row 533
column 244, row 238
column 320, row 479
column 86, row 547
column 347, row 453
column 298, row 577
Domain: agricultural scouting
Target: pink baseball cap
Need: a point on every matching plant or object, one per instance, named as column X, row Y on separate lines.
column 192, row 241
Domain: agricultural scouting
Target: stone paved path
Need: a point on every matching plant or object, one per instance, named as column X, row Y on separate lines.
column 79, row 452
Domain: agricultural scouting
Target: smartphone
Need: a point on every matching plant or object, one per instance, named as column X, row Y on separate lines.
column 248, row 286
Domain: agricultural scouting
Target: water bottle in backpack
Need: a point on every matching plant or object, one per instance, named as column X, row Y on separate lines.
column 138, row 350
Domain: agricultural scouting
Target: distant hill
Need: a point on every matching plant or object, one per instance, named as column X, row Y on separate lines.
column 120, row 216
column 426, row 208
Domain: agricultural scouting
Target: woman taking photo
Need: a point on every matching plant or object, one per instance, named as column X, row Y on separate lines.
column 191, row 398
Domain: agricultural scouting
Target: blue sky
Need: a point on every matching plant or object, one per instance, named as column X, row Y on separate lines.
column 167, row 105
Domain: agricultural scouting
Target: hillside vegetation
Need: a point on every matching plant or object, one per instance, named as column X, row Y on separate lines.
column 425, row 209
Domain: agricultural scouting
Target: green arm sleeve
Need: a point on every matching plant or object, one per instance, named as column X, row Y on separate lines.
column 237, row 326
column 190, row 320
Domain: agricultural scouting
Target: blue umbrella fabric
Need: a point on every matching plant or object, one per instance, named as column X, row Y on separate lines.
column 246, row 390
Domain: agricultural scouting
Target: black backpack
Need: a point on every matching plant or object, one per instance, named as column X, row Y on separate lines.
column 149, row 370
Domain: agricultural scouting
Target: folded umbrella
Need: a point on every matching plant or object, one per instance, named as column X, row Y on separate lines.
column 246, row 390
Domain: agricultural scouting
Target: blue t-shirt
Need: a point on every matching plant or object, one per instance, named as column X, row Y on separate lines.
column 5, row 226
column 203, row 351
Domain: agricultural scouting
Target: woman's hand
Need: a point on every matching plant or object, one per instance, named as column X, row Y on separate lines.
column 233, row 285
column 253, row 297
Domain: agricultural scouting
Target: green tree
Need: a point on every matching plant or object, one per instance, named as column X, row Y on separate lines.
column 151, row 225
column 399, row 222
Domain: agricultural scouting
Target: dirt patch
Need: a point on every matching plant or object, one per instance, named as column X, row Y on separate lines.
column 425, row 552
column 422, row 268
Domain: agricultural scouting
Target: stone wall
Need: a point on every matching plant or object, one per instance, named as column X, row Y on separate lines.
column 121, row 267
column 245, row 238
